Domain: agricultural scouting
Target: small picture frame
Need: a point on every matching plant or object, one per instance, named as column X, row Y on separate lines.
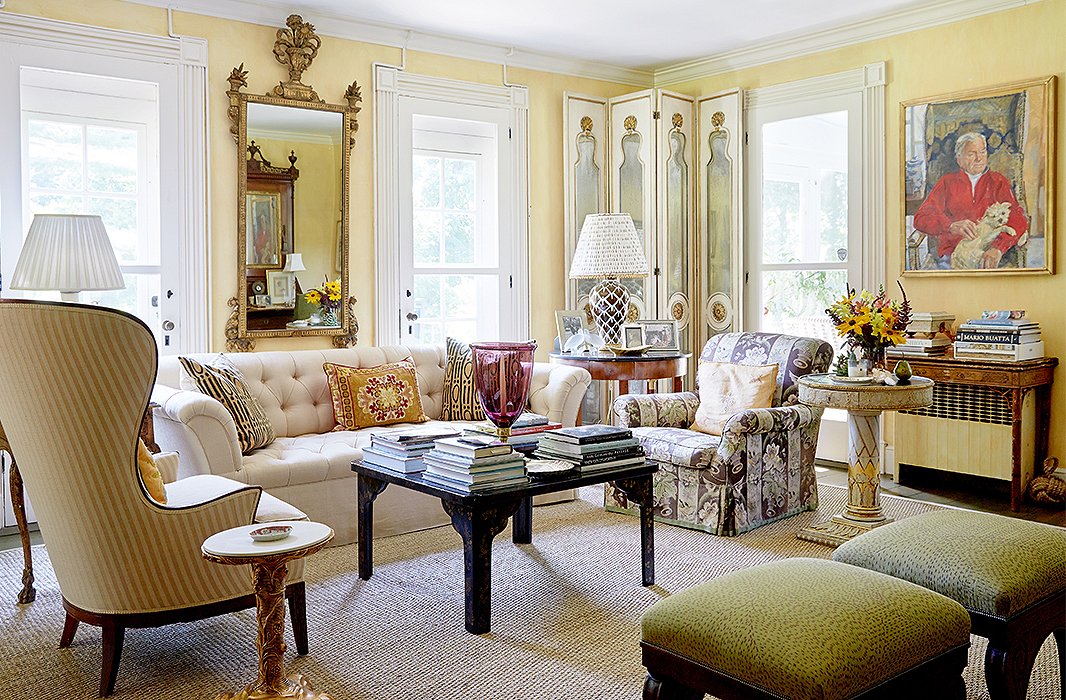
column 261, row 300
column 632, row 336
column 280, row 287
column 568, row 323
column 661, row 336
column 262, row 242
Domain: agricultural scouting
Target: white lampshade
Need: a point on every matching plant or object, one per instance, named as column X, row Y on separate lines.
column 67, row 252
column 294, row 262
column 608, row 247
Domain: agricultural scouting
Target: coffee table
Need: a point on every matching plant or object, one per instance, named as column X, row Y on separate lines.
column 479, row 517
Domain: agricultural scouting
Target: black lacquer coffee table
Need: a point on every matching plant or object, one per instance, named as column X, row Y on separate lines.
column 479, row 517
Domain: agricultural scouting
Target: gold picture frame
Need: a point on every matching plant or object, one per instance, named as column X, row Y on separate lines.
column 262, row 234
column 978, row 182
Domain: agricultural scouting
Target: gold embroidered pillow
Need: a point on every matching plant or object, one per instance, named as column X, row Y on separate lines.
column 460, row 396
column 153, row 480
column 223, row 382
column 726, row 389
column 380, row 395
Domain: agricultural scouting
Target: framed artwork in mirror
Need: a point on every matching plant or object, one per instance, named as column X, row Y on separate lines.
column 280, row 287
column 263, row 230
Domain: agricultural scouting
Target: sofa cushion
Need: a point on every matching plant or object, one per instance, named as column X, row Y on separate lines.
column 726, row 388
column 202, row 488
column 223, row 382
column 460, row 395
column 383, row 395
column 685, row 448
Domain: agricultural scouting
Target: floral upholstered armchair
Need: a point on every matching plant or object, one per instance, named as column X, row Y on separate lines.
column 762, row 467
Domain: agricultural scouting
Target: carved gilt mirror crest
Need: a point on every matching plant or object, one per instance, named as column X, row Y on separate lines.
column 293, row 163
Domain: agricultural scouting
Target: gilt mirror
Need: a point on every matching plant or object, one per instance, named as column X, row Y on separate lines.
column 293, row 163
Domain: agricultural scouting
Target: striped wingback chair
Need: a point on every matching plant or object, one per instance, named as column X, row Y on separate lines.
column 74, row 385
column 762, row 467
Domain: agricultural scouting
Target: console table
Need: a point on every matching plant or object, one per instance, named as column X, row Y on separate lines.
column 1010, row 380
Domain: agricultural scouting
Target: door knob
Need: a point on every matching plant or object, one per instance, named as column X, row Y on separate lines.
column 168, row 325
column 412, row 316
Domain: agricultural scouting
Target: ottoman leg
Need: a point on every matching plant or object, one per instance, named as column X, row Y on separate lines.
column 656, row 689
column 1008, row 668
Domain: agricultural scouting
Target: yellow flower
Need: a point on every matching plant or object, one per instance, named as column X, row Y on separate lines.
column 332, row 288
column 849, row 325
column 335, row 296
column 313, row 296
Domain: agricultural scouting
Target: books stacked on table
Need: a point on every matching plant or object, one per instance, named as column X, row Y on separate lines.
column 402, row 450
column 1003, row 336
column 592, row 447
column 525, row 432
column 474, row 464
column 927, row 334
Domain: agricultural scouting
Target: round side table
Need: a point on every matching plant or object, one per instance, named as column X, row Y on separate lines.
column 268, row 561
column 864, row 404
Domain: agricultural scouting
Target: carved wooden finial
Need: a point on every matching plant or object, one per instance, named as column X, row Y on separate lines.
column 296, row 47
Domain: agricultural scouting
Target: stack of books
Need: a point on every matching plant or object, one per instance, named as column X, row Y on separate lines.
column 525, row 432
column 474, row 464
column 1004, row 336
column 592, row 447
column 402, row 450
column 928, row 333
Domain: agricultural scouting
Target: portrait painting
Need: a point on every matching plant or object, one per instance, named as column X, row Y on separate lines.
column 977, row 180
column 263, row 230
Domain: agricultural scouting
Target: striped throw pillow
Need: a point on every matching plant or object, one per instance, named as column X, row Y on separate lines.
column 223, row 382
column 460, row 396
column 380, row 395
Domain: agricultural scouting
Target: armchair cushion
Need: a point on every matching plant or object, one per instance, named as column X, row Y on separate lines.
column 678, row 446
column 726, row 389
column 194, row 490
column 382, row 395
column 460, row 396
column 150, row 476
column 224, row 383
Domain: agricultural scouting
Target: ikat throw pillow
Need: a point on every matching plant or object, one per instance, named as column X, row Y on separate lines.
column 222, row 381
column 726, row 389
column 460, row 396
column 373, row 396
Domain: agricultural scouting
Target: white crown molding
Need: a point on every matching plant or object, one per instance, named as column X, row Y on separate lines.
column 272, row 14
column 899, row 22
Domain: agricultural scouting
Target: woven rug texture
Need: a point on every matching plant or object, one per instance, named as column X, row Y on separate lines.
column 565, row 617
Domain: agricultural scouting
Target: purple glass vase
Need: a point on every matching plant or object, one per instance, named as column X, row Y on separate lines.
column 501, row 376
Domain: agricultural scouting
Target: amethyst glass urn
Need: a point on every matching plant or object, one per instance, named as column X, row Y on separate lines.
column 501, row 376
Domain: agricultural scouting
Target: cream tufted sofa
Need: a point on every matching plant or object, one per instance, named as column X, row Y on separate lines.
column 309, row 465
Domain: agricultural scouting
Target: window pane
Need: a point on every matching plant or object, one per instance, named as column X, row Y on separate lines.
column 55, row 152
column 427, row 233
column 57, row 204
column 781, row 215
column 426, row 298
column 461, row 306
column 136, row 299
column 426, row 178
column 794, row 302
column 459, row 238
column 112, row 159
column 120, row 220
column 834, row 215
column 460, row 184
column 460, row 299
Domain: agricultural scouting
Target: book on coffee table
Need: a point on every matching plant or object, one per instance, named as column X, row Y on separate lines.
column 588, row 434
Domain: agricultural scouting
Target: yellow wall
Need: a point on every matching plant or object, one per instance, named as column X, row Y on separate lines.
column 994, row 49
column 339, row 62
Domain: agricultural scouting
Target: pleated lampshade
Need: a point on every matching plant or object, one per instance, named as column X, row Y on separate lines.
column 68, row 252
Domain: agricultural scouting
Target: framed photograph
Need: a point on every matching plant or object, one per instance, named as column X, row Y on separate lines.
column 632, row 336
column 280, row 287
column 978, row 181
column 263, row 230
column 568, row 323
column 661, row 336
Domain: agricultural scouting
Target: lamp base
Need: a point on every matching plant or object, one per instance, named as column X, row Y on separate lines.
column 71, row 297
column 609, row 301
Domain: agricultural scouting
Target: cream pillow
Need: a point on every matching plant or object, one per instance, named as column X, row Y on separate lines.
column 726, row 389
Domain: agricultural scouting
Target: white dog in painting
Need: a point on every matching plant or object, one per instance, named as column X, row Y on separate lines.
column 967, row 254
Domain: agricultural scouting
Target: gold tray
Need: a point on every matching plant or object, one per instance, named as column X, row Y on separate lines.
column 622, row 351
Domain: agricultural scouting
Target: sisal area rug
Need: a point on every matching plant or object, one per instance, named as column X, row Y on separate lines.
column 565, row 617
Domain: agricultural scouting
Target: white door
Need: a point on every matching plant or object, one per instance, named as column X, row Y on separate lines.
column 455, row 253
column 804, row 217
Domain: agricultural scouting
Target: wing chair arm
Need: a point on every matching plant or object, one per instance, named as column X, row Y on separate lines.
column 557, row 391
column 197, row 427
column 772, row 420
column 673, row 410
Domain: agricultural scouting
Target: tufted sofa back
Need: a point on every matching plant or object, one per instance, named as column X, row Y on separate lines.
column 292, row 387
column 794, row 356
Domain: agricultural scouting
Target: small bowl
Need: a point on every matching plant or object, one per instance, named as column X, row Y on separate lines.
column 270, row 533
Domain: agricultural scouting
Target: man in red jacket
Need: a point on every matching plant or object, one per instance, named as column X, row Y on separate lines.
column 959, row 199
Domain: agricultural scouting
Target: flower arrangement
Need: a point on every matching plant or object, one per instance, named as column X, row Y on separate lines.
column 328, row 298
column 870, row 323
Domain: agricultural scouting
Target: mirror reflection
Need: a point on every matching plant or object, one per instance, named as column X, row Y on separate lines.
column 293, row 214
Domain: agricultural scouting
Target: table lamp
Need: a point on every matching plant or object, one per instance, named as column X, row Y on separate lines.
column 294, row 262
column 68, row 252
column 609, row 248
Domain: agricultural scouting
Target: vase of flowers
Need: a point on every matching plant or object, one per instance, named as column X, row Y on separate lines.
column 328, row 300
column 870, row 324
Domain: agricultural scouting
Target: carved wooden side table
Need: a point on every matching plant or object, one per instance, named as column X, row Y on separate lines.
column 268, row 561
column 864, row 404
column 28, row 593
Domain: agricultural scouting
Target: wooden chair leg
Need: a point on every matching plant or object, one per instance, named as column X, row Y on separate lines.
column 114, row 634
column 657, row 689
column 70, row 628
column 298, row 616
